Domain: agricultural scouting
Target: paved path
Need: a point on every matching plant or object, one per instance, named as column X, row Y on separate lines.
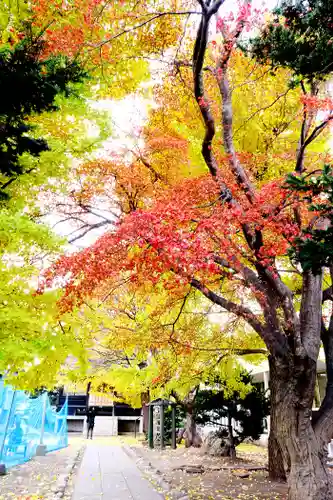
column 107, row 473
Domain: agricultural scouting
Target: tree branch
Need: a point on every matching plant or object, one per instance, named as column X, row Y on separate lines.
column 199, row 92
column 227, row 114
column 261, row 109
column 86, row 229
column 230, row 306
column 141, row 25
column 275, row 341
column 310, row 314
column 317, row 131
column 199, row 51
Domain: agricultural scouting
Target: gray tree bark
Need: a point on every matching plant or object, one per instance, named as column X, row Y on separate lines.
column 304, row 462
column 192, row 437
column 275, row 459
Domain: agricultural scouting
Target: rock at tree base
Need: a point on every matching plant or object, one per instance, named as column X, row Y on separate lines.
column 215, row 445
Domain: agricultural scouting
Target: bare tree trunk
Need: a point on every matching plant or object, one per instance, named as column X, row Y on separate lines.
column 145, row 410
column 275, row 459
column 303, row 459
column 231, row 440
column 181, row 435
column 190, row 433
column 192, row 437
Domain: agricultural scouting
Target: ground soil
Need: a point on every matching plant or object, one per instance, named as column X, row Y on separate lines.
column 215, row 482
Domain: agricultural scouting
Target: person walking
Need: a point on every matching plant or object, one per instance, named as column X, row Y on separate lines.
column 90, row 422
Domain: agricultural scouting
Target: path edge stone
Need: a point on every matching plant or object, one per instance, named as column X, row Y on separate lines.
column 153, row 474
column 61, row 484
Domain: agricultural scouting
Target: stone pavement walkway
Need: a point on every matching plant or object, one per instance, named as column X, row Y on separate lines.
column 107, row 473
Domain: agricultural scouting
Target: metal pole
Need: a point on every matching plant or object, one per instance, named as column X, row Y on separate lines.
column 64, row 424
column 162, row 425
column 41, row 448
column 12, row 408
column 88, row 396
column 173, row 431
column 151, row 427
column 43, row 418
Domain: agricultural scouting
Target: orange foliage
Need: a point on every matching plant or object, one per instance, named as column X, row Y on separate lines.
column 178, row 239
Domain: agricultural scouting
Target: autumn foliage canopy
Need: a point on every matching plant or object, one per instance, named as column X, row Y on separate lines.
column 190, row 235
column 250, row 229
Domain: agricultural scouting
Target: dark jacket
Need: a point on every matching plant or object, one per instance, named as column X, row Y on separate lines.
column 91, row 419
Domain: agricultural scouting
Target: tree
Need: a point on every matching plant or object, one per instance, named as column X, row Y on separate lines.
column 234, row 241
column 168, row 148
column 34, row 344
column 286, row 40
column 288, row 44
column 147, row 341
column 245, row 412
column 34, row 90
column 109, row 37
column 29, row 85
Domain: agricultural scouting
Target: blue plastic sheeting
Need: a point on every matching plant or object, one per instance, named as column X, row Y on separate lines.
column 26, row 422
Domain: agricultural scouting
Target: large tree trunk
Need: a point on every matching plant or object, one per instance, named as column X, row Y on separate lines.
column 275, row 458
column 192, row 437
column 293, row 385
column 231, row 440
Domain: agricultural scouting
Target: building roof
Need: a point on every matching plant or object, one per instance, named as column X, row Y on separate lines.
column 161, row 402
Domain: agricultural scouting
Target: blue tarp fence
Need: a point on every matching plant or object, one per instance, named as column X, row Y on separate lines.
column 28, row 422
